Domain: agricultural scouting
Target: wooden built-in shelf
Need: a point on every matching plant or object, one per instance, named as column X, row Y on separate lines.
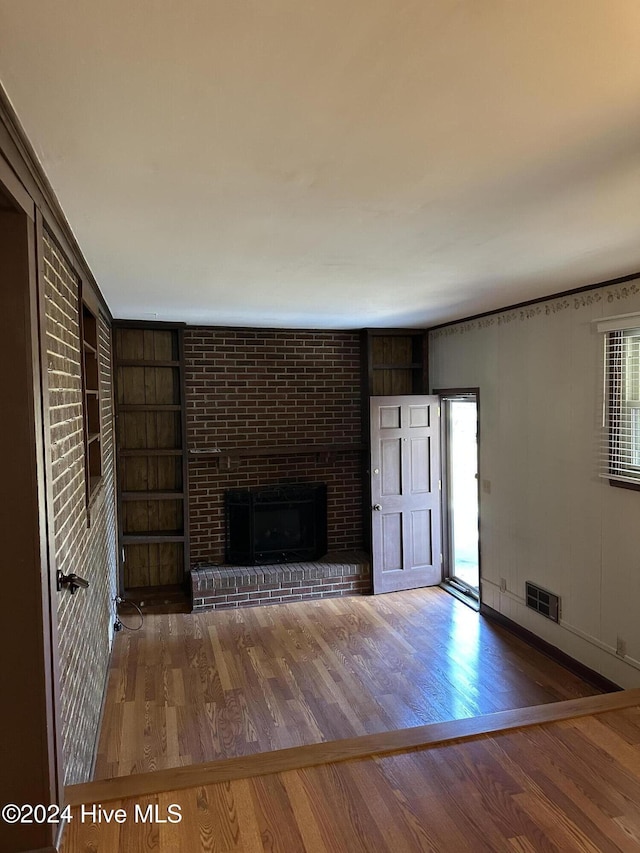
column 168, row 495
column 394, row 362
column 89, row 348
column 91, row 392
column 94, row 436
column 149, row 407
column 145, row 362
column 154, row 599
column 154, row 537
column 153, row 520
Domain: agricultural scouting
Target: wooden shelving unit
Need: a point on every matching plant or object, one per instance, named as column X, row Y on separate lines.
column 394, row 362
column 152, row 462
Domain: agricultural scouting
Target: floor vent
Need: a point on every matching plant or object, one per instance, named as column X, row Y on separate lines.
column 545, row 603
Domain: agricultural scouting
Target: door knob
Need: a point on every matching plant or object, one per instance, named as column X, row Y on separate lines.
column 377, row 507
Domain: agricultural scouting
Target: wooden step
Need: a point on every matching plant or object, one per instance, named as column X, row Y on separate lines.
column 296, row 758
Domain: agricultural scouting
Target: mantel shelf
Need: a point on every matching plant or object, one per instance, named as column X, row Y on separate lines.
column 227, row 457
column 413, row 365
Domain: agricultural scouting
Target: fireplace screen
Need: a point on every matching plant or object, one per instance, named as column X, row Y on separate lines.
column 276, row 524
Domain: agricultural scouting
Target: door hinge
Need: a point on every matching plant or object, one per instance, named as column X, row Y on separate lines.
column 441, row 559
column 439, row 485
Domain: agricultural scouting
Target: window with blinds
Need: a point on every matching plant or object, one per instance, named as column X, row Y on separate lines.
column 622, row 399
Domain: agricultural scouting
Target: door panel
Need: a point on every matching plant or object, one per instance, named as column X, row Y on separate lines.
column 389, row 417
column 420, row 465
column 392, row 541
column 419, row 416
column 405, row 491
column 421, row 536
column 390, row 467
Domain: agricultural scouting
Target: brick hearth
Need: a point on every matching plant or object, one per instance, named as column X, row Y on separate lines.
column 339, row 573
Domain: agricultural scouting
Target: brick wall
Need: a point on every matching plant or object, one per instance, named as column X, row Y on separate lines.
column 84, row 619
column 254, row 388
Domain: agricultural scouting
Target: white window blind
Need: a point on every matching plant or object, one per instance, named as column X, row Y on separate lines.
column 621, row 440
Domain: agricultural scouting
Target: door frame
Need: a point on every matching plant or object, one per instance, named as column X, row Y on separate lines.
column 31, row 719
column 443, row 394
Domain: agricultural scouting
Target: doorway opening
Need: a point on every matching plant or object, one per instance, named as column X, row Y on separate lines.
column 461, row 574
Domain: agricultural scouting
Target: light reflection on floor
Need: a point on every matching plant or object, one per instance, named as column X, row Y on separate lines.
column 463, row 655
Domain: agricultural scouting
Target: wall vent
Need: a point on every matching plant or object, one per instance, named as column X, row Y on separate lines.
column 542, row 601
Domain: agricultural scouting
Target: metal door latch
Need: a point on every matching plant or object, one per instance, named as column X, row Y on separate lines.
column 72, row 581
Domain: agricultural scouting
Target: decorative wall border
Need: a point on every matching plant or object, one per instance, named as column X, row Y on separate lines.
column 605, row 294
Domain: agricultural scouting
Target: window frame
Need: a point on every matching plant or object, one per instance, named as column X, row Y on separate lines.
column 91, row 396
column 622, row 470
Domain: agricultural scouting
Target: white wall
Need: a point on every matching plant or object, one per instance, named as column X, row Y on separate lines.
column 545, row 514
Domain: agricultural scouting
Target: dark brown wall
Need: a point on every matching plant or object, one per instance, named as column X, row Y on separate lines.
column 256, row 388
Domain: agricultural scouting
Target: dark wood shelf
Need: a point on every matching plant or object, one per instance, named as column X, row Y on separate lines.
column 153, row 599
column 167, row 495
column 93, row 436
column 91, row 392
column 394, row 363
column 152, row 538
column 151, row 452
column 149, row 407
column 140, row 362
column 89, row 348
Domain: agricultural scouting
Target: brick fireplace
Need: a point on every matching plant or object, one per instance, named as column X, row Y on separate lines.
column 269, row 407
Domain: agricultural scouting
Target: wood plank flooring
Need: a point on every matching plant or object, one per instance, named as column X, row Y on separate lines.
column 195, row 688
column 347, row 749
column 562, row 786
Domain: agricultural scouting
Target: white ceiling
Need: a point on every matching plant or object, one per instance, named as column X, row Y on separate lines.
column 338, row 163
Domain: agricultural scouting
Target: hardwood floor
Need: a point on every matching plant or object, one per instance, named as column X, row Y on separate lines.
column 195, row 688
column 564, row 786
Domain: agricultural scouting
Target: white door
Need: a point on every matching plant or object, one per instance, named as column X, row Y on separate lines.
column 405, row 492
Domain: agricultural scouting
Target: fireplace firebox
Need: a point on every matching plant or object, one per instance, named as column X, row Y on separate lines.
column 276, row 524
